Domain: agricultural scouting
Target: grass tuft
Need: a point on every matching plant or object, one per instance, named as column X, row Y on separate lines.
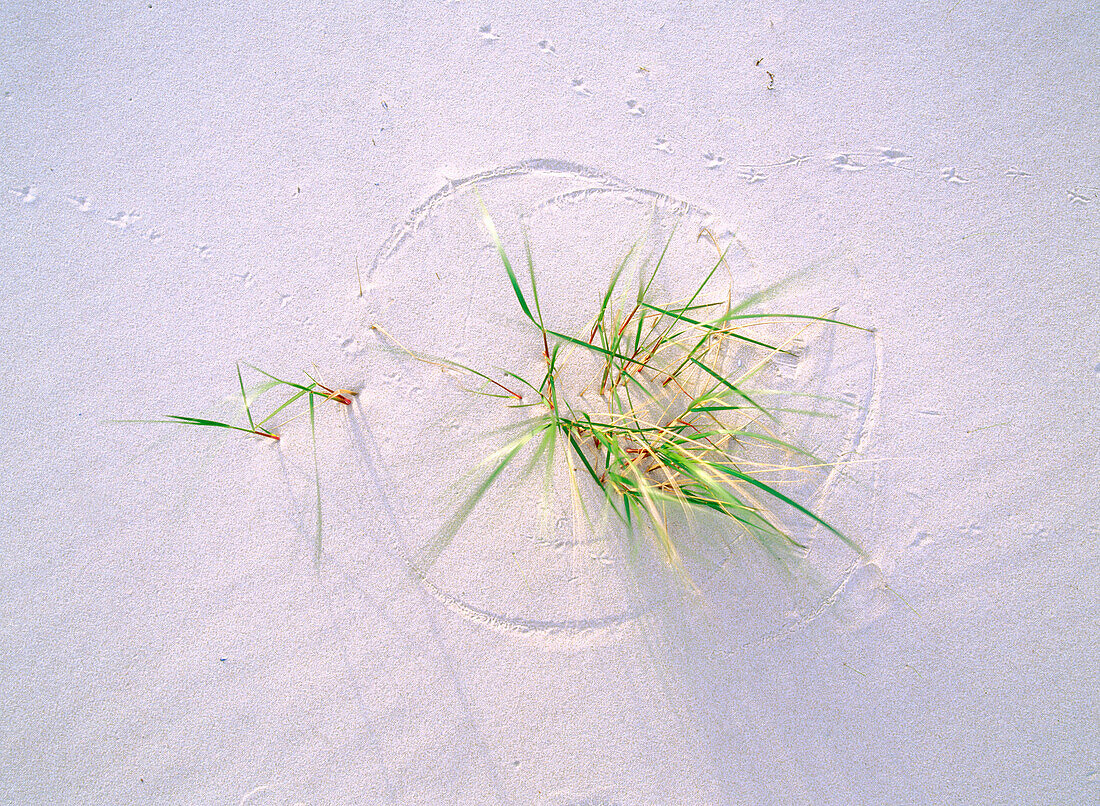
column 667, row 424
column 313, row 392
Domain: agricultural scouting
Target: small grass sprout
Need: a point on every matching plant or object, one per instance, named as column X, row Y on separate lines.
column 260, row 427
column 266, row 426
column 668, row 422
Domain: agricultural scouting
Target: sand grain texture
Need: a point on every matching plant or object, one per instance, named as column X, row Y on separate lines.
column 183, row 189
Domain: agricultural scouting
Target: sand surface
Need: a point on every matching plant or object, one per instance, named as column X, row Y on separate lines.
column 184, row 189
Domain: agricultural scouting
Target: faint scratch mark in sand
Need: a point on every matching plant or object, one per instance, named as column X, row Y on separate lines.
column 250, row 797
column 795, row 160
column 603, row 629
column 420, row 214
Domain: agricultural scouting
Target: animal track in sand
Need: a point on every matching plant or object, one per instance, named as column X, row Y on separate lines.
column 123, row 221
column 951, row 176
column 893, row 158
column 1078, row 196
column 846, row 162
column 859, row 161
column 27, row 194
column 581, row 87
column 752, row 175
column 713, row 161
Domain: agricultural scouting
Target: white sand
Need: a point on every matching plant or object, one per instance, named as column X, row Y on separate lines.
column 186, row 189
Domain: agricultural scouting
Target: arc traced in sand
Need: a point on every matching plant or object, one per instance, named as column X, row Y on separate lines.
column 549, row 197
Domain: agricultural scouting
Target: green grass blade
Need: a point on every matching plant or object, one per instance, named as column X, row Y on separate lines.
column 767, row 488
column 644, row 291
column 611, row 290
column 732, row 387
column 244, row 397
column 284, row 405
column 713, row 329
column 317, row 478
column 597, row 349
column 183, row 420
column 279, row 380
column 534, row 283
column 699, row 290
column 431, row 553
column 495, row 236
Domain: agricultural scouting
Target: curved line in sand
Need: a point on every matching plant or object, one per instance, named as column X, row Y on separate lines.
column 604, row 627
